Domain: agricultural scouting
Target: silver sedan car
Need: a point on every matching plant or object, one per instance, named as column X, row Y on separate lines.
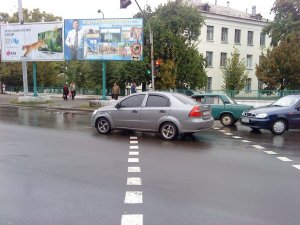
column 169, row 114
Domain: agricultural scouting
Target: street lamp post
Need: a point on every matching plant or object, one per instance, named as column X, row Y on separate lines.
column 103, row 70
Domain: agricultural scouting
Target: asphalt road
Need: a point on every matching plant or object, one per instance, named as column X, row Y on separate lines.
column 56, row 169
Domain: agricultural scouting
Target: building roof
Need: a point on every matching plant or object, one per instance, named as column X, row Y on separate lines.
column 227, row 11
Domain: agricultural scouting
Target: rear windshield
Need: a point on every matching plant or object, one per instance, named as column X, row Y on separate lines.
column 185, row 99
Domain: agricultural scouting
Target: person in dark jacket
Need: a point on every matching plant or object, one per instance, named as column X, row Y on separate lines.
column 65, row 92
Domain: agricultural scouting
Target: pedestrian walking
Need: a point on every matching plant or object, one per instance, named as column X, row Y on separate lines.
column 73, row 90
column 65, row 92
column 133, row 87
column 115, row 91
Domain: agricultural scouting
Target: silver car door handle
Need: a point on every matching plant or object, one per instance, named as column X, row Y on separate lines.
column 162, row 111
column 134, row 111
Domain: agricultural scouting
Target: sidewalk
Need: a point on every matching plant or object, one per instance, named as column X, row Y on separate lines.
column 81, row 102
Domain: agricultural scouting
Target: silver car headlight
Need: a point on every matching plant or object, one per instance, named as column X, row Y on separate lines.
column 261, row 115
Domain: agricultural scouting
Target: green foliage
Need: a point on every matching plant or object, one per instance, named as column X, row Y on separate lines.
column 234, row 73
column 286, row 21
column 279, row 68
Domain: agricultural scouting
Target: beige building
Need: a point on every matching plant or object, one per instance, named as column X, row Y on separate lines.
column 224, row 29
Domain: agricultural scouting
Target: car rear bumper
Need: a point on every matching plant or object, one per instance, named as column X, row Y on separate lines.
column 197, row 125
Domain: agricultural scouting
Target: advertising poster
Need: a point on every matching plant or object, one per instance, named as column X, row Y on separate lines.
column 32, row 42
column 103, row 39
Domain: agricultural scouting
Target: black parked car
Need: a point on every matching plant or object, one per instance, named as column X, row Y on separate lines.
column 282, row 115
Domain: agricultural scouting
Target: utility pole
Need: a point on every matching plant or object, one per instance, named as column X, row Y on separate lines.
column 151, row 46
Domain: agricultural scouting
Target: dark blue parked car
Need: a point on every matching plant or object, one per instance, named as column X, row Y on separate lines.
column 282, row 115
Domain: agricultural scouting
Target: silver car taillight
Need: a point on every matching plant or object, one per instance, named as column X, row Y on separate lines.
column 196, row 112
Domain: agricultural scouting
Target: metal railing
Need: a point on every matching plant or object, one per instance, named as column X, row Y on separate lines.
column 253, row 94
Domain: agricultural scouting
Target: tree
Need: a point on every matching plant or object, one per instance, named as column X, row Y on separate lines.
column 286, row 21
column 176, row 27
column 234, row 74
column 279, row 68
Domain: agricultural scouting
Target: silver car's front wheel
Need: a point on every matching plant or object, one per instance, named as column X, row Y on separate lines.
column 103, row 126
column 168, row 131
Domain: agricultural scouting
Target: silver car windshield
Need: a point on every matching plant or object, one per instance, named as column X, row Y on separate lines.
column 286, row 101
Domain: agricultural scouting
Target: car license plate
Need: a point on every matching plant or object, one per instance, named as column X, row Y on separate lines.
column 205, row 113
column 245, row 120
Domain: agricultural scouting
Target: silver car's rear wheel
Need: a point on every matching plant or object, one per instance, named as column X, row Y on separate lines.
column 278, row 127
column 103, row 126
column 168, row 131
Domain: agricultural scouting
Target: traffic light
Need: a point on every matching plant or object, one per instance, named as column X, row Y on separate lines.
column 124, row 4
column 157, row 65
column 148, row 71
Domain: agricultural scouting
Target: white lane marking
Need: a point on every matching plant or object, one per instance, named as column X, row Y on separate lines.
column 216, row 128
column 134, row 181
column 285, row 159
column 134, row 142
column 228, row 133
column 258, row 146
column 134, row 153
column 297, row 166
column 246, row 141
column 134, row 147
column 133, row 138
column 133, row 160
column 134, row 169
column 224, row 131
column 133, row 197
column 132, row 219
column 271, row 152
column 236, row 137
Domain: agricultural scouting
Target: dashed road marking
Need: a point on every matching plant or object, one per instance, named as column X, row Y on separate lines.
column 228, row 133
column 297, row 166
column 133, row 138
column 132, row 219
column 236, row 137
column 271, row 152
column 285, row 159
column 134, row 142
column 134, row 169
column 134, row 153
column 133, row 160
column 216, row 128
column 246, row 141
column 258, row 146
column 133, row 197
column 134, row 181
column 133, row 147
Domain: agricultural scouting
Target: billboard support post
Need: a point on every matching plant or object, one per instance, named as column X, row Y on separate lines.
column 34, row 79
column 24, row 63
column 151, row 44
column 103, row 81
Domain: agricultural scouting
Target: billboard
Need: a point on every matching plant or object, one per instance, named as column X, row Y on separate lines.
column 32, row 42
column 103, row 39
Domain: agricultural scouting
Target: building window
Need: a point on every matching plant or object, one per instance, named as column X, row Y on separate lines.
column 249, row 61
column 248, row 85
column 224, row 35
column 223, row 59
column 209, row 58
column 210, row 33
column 262, row 39
column 209, row 84
column 237, row 36
column 250, row 38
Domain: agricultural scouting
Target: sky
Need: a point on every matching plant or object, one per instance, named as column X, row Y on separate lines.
column 88, row 9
